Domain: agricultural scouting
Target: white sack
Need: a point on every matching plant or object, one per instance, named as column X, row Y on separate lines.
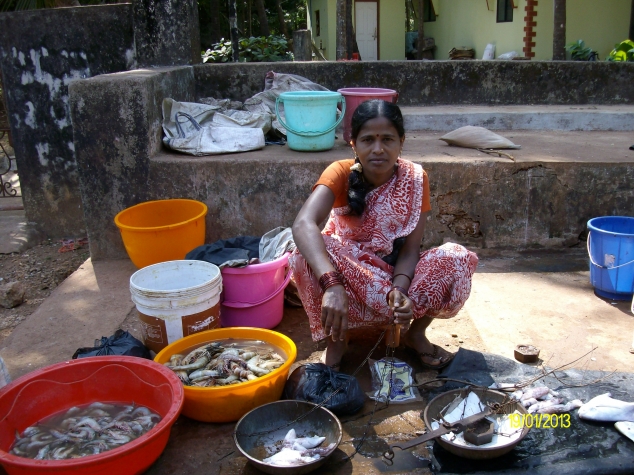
column 217, row 140
column 234, row 118
column 477, row 137
column 202, row 114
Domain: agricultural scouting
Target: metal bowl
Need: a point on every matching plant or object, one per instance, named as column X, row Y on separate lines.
column 277, row 414
column 436, row 405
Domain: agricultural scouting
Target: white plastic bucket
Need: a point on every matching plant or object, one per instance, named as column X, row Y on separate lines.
column 176, row 299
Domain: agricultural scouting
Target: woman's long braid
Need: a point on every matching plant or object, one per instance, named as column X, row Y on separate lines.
column 357, row 189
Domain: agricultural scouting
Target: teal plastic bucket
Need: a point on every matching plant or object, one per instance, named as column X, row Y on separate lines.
column 611, row 251
column 311, row 118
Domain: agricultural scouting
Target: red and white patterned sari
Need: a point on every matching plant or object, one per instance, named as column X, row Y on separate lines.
column 356, row 244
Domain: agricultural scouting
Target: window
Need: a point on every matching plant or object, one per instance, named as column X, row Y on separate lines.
column 505, row 11
column 429, row 14
column 317, row 24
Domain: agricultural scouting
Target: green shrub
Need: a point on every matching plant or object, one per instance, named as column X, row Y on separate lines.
column 624, row 51
column 251, row 50
column 580, row 52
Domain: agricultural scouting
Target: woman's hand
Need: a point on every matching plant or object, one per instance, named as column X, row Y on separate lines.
column 401, row 305
column 334, row 312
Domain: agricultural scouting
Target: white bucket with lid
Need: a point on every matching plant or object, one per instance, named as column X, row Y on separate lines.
column 176, row 299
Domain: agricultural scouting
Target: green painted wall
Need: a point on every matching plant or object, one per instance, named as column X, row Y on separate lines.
column 600, row 24
column 392, row 29
column 470, row 23
column 543, row 48
column 328, row 25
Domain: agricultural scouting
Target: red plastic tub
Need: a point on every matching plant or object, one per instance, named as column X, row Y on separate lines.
column 355, row 96
column 56, row 388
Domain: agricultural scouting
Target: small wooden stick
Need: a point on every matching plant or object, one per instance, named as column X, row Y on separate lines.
column 490, row 151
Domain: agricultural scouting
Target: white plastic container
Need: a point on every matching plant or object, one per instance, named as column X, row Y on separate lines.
column 176, row 299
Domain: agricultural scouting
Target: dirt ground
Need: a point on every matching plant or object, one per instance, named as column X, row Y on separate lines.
column 40, row 269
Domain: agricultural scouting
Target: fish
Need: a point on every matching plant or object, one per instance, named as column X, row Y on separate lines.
column 82, row 433
column 288, row 457
column 560, row 408
column 529, row 402
column 298, row 451
column 536, row 393
column 544, row 404
column 626, row 428
column 605, row 409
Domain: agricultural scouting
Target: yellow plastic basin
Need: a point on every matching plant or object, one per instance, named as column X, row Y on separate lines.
column 230, row 403
column 164, row 230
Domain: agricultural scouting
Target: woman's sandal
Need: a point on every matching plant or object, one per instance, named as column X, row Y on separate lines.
column 433, row 355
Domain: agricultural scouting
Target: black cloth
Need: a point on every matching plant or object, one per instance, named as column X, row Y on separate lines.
column 584, row 448
column 241, row 248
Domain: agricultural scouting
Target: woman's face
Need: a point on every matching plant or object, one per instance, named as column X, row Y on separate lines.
column 378, row 147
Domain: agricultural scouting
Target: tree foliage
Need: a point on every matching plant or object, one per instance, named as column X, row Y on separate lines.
column 252, row 50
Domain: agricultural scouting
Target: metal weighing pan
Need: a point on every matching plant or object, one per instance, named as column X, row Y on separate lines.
column 432, row 412
column 270, row 416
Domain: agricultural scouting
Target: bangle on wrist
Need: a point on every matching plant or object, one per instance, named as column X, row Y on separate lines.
column 330, row 279
column 400, row 289
column 404, row 275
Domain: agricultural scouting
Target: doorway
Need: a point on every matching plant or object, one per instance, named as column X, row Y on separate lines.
column 366, row 23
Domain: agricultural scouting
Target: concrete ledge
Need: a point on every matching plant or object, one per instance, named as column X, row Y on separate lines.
column 542, row 199
column 543, row 117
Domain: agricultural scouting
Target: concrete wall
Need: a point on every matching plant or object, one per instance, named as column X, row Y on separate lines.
column 117, row 121
column 440, row 82
column 487, row 205
column 41, row 52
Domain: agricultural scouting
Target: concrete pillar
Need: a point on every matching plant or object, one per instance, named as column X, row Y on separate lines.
column 302, row 45
column 166, row 32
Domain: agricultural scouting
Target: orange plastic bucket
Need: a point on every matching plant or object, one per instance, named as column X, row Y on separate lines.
column 230, row 403
column 164, row 230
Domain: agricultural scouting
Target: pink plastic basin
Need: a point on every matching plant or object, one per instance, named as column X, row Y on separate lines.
column 355, row 96
column 253, row 296
column 58, row 387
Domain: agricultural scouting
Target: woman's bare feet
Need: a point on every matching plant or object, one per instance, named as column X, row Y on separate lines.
column 334, row 352
column 431, row 356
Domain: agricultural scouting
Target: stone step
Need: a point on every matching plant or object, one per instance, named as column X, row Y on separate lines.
column 568, row 118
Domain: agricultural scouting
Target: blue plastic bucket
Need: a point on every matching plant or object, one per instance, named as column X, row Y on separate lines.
column 611, row 251
column 311, row 118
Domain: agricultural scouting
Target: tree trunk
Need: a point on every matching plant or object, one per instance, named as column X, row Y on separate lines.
column 280, row 16
column 349, row 31
column 233, row 29
column 264, row 23
column 421, row 30
column 631, row 36
column 250, row 18
column 559, row 31
column 215, row 21
column 341, row 30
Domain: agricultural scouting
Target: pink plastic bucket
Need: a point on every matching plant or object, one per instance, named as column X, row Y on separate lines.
column 355, row 96
column 253, row 296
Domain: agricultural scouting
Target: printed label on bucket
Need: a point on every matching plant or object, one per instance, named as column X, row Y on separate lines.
column 158, row 333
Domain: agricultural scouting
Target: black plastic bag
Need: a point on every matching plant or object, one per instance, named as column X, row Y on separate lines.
column 315, row 382
column 121, row 344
